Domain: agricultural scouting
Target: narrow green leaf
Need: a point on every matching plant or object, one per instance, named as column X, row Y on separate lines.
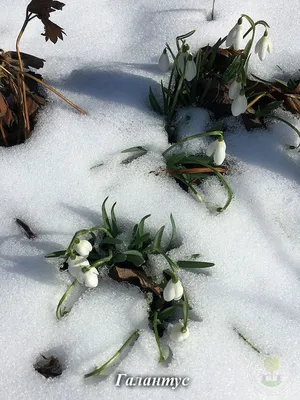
column 56, row 254
column 114, row 224
column 157, row 239
column 168, row 312
column 118, row 258
column 154, row 103
column 105, row 216
column 142, row 225
column 135, row 257
column 135, row 149
column 109, row 240
column 194, row 264
column 173, row 236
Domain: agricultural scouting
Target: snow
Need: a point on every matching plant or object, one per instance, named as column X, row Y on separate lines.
column 106, row 64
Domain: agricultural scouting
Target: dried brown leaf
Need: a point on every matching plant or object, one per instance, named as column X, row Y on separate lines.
column 5, row 112
column 49, row 367
column 43, row 8
column 28, row 59
column 52, row 31
column 135, row 277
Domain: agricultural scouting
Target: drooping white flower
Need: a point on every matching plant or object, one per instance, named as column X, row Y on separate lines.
column 263, row 46
column 173, row 291
column 235, row 36
column 90, row 278
column 164, row 61
column 165, row 350
column 182, row 59
column 234, row 89
column 83, row 248
column 190, row 69
column 218, row 149
column 176, row 333
column 239, row 105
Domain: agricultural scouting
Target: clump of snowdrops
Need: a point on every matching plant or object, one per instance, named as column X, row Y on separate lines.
column 104, row 247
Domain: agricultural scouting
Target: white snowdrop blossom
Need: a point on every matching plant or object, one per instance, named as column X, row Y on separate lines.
column 234, row 89
column 164, row 61
column 190, row 69
column 165, row 350
column 239, row 105
column 83, row 248
column 173, row 291
column 218, row 149
column 176, row 334
column 263, row 46
column 182, row 58
column 89, row 278
column 235, row 36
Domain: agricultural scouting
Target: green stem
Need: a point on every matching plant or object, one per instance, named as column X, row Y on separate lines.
column 286, row 122
column 85, row 232
column 213, row 10
column 186, row 309
column 155, row 320
column 59, row 312
column 99, row 370
column 220, row 176
column 172, row 264
column 260, row 22
column 211, row 133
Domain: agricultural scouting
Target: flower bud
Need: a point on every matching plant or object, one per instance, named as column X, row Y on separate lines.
column 190, row 69
column 263, row 46
column 239, row 105
column 91, row 278
column 164, row 62
column 83, row 248
column 173, row 291
column 176, row 334
column 218, row 149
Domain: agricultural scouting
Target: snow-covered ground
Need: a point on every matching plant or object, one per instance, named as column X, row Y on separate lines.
column 105, row 65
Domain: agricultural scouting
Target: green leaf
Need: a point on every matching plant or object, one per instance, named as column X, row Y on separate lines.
column 154, row 103
column 135, row 149
column 268, row 109
column 118, row 258
column 194, row 264
column 114, row 224
column 105, row 216
column 135, row 257
column 168, row 312
column 142, row 225
column 157, row 239
column 61, row 253
column 108, row 240
column 173, row 236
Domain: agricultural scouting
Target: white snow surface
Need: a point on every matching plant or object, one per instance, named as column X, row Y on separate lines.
column 106, row 64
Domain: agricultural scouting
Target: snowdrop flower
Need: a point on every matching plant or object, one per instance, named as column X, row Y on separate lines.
column 263, row 46
column 239, row 105
column 190, row 69
column 89, row 278
column 235, row 36
column 234, row 89
column 83, row 248
column 164, row 62
column 165, row 351
column 176, row 334
column 218, row 149
column 182, row 60
column 173, row 291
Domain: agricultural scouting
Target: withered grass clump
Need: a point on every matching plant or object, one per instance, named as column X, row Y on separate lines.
column 20, row 94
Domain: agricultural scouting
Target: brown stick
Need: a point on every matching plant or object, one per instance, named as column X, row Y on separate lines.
column 194, row 170
column 20, row 80
column 3, row 134
column 255, row 100
column 54, row 91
